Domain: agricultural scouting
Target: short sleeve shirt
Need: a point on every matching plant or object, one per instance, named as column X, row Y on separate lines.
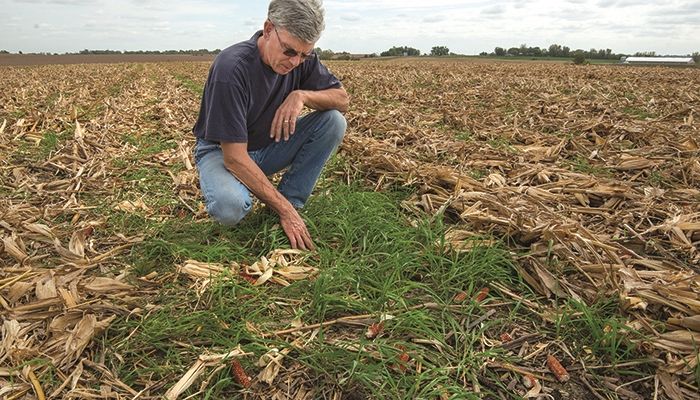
column 242, row 94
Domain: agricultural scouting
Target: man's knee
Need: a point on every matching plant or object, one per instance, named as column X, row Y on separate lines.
column 335, row 125
column 229, row 211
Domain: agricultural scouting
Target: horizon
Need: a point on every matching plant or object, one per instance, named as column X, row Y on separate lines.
column 358, row 27
column 215, row 51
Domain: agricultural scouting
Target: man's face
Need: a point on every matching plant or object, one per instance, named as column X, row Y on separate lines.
column 286, row 51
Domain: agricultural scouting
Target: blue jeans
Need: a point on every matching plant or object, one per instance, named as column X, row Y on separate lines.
column 317, row 135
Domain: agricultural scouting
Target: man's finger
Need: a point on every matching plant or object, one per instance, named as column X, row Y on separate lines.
column 286, row 127
column 306, row 237
column 309, row 243
column 273, row 132
column 292, row 241
column 277, row 127
column 299, row 243
column 292, row 126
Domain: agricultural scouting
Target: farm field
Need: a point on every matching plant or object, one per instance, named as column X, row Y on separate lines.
column 480, row 223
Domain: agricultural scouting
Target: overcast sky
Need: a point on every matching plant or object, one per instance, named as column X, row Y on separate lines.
column 362, row 26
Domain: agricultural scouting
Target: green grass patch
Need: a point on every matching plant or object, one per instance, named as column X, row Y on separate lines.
column 657, row 179
column 119, row 163
column 638, row 113
column 371, row 261
column 17, row 114
column 51, row 142
column 49, row 375
column 89, row 112
column 502, row 144
column 149, row 143
column 597, row 330
column 582, row 164
column 465, row 135
column 194, row 87
column 48, row 143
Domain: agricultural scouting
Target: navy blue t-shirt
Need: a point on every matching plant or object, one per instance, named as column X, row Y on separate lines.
column 242, row 94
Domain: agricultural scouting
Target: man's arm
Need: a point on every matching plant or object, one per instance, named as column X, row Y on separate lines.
column 239, row 163
column 284, row 123
column 329, row 99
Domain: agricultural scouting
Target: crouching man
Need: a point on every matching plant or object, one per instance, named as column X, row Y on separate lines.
column 250, row 124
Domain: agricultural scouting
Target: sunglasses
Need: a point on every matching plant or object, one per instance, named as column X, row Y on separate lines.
column 290, row 52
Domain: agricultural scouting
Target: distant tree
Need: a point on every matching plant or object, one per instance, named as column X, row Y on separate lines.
column 401, row 51
column 324, row 54
column 4, row 52
column 565, row 51
column 645, row 54
column 343, row 55
column 696, row 56
column 483, row 53
column 579, row 57
column 500, row 51
column 19, row 52
column 439, row 51
column 555, row 50
column 514, row 51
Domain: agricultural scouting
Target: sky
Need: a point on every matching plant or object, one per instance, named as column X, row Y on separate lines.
column 362, row 26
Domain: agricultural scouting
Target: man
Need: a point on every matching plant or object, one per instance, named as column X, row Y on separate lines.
column 250, row 124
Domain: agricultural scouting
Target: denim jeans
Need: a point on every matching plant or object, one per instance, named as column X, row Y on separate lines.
column 316, row 137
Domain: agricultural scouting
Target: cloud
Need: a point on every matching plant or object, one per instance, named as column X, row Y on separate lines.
column 351, row 17
column 493, row 10
column 670, row 20
column 691, row 8
column 465, row 26
column 622, row 3
column 59, row 2
column 434, row 18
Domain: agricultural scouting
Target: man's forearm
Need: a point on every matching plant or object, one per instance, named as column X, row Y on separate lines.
column 239, row 163
column 336, row 99
column 248, row 173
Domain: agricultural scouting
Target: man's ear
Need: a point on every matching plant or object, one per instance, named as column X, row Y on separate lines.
column 267, row 28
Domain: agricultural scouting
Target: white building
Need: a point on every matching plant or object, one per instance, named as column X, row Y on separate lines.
column 659, row 60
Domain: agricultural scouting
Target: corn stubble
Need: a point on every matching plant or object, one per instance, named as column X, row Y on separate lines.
column 596, row 202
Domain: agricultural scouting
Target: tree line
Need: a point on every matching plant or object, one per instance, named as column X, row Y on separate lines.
column 557, row 50
column 198, row 52
column 436, row 51
column 554, row 50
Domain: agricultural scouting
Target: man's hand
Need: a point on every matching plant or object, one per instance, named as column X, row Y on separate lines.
column 295, row 229
column 239, row 163
column 285, row 121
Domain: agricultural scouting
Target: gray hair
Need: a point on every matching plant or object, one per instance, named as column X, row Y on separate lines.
column 303, row 19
